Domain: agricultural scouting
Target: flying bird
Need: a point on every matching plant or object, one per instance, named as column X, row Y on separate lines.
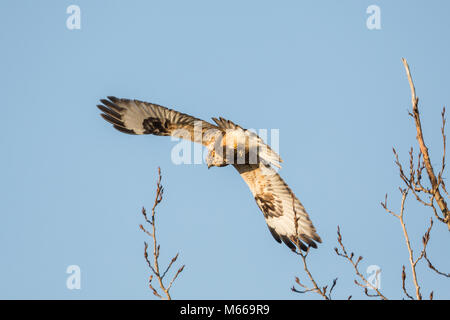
column 227, row 144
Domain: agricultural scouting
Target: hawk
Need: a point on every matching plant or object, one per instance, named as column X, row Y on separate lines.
column 227, row 144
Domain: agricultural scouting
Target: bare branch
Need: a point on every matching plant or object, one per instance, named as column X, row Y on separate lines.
column 155, row 266
column 424, row 150
column 366, row 284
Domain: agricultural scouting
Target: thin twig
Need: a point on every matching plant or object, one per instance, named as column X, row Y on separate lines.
column 432, row 267
column 412, row 262
column 404, row 284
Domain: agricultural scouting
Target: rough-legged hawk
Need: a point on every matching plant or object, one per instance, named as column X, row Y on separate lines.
column 227, row 143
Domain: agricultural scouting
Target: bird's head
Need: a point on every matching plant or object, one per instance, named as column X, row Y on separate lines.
column 210, row 159
column 215, row 160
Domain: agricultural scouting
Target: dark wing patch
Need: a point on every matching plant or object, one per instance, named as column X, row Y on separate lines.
column 156, row 126
column 269, row 206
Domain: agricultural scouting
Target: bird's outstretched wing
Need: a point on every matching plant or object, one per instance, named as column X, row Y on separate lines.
column 279, row 206
column 237, row 137
column 138, row 117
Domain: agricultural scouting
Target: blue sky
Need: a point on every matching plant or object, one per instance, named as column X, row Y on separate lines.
column 72, row 187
